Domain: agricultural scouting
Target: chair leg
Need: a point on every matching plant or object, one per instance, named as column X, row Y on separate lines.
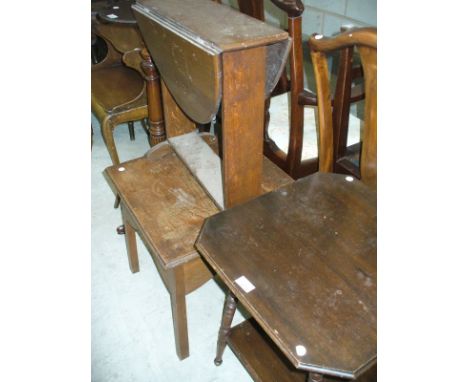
column 130, row 241
column 131, row 130
column 179, row 312
column 107, row 128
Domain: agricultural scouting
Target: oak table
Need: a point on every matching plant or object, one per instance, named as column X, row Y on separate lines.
column 302, row 260
column 209, row 56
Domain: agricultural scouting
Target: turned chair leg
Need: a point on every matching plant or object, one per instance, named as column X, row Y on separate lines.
column 179, row 312
column 131, row 130
column 228, row 314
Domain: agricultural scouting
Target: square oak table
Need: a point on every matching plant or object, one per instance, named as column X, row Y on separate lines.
column 302, row 260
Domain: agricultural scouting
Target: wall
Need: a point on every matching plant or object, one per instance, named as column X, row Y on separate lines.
column 325, row 16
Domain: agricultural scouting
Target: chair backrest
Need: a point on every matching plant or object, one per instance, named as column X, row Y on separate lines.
column 345, row 94
column 365, row 39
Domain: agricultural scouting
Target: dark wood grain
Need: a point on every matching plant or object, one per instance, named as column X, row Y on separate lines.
column 309, row 249
column 186, row 39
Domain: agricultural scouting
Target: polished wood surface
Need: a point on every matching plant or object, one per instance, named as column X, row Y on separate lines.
column 365, row 39
column 187, row 44
column 309, row 249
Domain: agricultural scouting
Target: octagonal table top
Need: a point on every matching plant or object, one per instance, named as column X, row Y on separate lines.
column 308, row 250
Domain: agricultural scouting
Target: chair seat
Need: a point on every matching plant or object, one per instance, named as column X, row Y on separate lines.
column 166, row 203
column 115, row 86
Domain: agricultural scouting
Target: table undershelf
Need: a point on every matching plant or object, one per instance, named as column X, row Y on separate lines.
column 265, row 362
column 260, row 356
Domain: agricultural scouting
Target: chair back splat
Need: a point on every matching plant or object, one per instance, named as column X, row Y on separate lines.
column 344, row 95
column 365, row 39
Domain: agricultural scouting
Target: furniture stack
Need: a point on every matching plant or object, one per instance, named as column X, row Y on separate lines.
column 300, row 256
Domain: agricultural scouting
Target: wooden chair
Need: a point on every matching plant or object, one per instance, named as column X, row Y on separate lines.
column 119, row 92
column 310, row 246
column 167, row 194
column 344, row 96
column 365, row 40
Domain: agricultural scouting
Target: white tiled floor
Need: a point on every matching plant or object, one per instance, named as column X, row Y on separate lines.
column 132, row 333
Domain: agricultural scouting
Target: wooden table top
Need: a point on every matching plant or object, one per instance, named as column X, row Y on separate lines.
column 205, row 21
column 309, row 249
column 119, row 12
column 186, row 39
column 162, row 196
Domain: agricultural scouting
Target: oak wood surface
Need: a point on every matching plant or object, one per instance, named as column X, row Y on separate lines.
column 242, row 110
column 224, row 30
column 309, row 249
column 167, row 203
column 177, row 122
column 186, row 40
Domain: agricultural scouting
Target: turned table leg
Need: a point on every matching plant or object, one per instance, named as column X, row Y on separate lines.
column 228, row 314
column 157, row 132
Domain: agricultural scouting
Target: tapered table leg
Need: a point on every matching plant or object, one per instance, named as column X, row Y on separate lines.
column 228, row 314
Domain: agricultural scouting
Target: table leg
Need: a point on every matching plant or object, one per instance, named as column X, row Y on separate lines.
column 130, row 241
column 157, row 132
column 228, row 314
column 177, row 291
